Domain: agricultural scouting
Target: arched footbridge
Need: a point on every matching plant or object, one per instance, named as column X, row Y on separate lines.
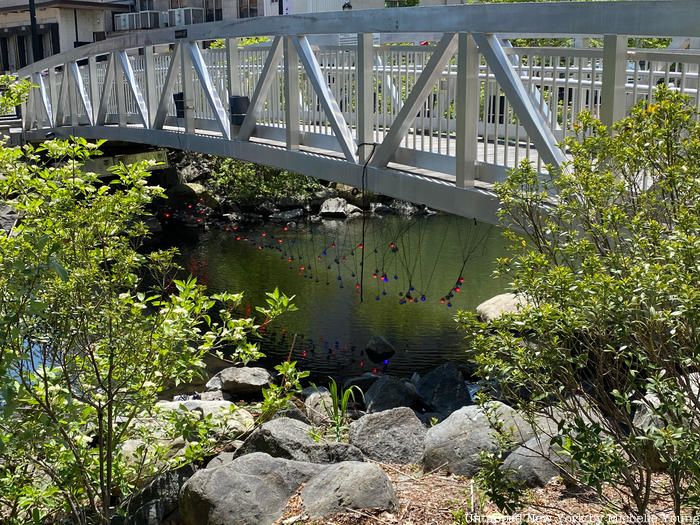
column 338, row 97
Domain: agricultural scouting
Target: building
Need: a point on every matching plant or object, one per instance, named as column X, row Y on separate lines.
column 62, row 25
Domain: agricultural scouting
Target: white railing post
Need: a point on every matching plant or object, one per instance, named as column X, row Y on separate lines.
column 188, row 87
column 119, row 88
column 467, row 108
column 150, row 79
column 72, row 93
column 94, row 87
column 233, row 67
column 365, row 94
column 291, row 93
column 614, row 78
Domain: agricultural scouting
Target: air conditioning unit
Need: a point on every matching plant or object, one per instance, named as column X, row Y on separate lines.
column 164, row 18
column 185, row 16
column 121, row 22
column 149, row 19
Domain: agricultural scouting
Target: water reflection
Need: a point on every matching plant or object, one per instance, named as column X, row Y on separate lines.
column 404, row 279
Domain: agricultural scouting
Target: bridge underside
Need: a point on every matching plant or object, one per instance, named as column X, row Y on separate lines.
column 435, row 190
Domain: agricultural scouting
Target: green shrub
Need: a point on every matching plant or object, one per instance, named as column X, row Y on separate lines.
column 607, row 256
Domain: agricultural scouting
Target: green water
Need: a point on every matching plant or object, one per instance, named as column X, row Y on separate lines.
column 411, row 265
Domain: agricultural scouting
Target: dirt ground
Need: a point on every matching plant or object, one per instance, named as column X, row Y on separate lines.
column 437, row 499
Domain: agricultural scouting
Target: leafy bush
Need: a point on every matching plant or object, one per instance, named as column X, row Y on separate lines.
column 248, row 183
column 606, row 256
column 91, row 332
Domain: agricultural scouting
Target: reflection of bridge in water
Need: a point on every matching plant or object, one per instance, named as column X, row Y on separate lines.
column 448, row 118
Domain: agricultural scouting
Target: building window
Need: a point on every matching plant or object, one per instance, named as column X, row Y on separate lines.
column 247, row 8
column 213, row 10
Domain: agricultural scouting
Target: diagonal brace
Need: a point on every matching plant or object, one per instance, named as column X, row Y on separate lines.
column 330, row 104
column 433, row 69
column 261, row 89
column 82, row 92
column 171, row 75
column 528, row 112
column 125, row 64
column 106, row 91
column 210, row 92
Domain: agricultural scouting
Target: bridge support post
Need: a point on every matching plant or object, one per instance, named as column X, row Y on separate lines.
column 365, row 95
column 233, row 67
column 150, row 77
column 188, row 87
column 614, row 79
column 94, row 87
column 119, row 88
column 467, row 108
column 291, row 94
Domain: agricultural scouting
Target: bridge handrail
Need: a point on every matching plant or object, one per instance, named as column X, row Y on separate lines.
column 633, row 18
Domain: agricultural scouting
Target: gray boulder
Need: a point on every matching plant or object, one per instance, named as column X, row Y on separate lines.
column 390, row 392
column 8, row 218
column 536, row 462
column 292, row 412
column 226, row 414
column 455, row 444
column 240, row 380
column 363, row 382
column 250, row 490
column 392, row 436
column 158, row 501
column 338, row 207
column 349, row 485
column 224, row 458
column 291, row 439
column 288, row 215
column 319, row 407
column 444, row 390
column 378, row 349
column 498, row 305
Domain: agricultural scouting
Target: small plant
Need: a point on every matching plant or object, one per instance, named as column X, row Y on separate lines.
column 338, row 411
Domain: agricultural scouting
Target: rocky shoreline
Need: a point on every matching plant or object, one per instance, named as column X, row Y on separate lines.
column 430, row 422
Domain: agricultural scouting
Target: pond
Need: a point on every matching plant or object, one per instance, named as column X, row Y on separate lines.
column 418, row 272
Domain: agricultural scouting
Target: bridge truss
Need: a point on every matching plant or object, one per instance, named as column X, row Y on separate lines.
column 436, row 124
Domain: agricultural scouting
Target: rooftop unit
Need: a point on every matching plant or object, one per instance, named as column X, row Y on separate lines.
column 185, row 16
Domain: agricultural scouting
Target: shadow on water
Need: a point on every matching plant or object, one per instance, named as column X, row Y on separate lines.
column 418, row 273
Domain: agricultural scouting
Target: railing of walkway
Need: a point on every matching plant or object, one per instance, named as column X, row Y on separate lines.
column 468, row 105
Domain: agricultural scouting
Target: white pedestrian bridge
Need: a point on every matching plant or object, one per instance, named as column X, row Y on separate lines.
column 339, row 96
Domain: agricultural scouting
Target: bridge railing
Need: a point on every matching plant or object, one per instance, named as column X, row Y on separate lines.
column 467, row 106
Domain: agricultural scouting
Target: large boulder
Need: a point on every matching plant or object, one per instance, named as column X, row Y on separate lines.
column 455, row 444
column 349, row 485
column 8, row 218
column 243, row 380
column 291, row 439
column 390, row 392
column 444, row 390
column 392, row 436
column 498, row 305
column 224, row 413
column 287, row 215
column 319, row 407
column 338, row 207
column 363, row 382
column 191, row 193
column 536, row 462
column 378, row 349
column 250, row 490
column 158, row 501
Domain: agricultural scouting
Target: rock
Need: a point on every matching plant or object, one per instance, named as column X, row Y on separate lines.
column 444, row 390
column 224, row 458
column 535, row 463
column 498, row 305
column 8, row 218
column 381, row 209
column 240, row 380
column 338, row 207
column 291, row 439
column 319, row 407
column 190, row 193
column 349, row 485
column 455, row 443
column 159, row 499
column 267, row 208
column 363, row 382
column 392, row 436
column 215, row 395
column 378, row 349
column 405, row 208
column 292, row 412
column 289, row 202
column 230, row 417
column 250, row 490
column 390, row 392
column 286, row 216
column 306, row 392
